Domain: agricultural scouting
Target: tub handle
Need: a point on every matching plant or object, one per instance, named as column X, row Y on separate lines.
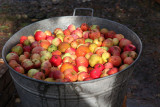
column 74, row 12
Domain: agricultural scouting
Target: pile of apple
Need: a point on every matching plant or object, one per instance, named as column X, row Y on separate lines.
column 70, row 55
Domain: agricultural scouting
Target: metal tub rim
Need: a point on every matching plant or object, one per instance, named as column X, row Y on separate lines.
column 79, row 82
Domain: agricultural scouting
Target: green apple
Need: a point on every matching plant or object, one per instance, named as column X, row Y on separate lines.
column 17, row 49
column 66, row 54
column 106, row 56
column 45, row 55
column 88, row 40
column 104, row 30
column 82, row 69
column 60, row 36
column 106, row 48
column 92, row 47
column 92, row 27
column 115, row 41
column 31, row 72
column 52, row 48
column 49, row 80
column 59, row 32
column 95, row 59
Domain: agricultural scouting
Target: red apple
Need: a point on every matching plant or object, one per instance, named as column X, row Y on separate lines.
column 123, row 42
column 27, row 49
column 68, row 39
column 56, row 60
column 115, row 60
column 71, row 28
column 39, row 76
column 95, row 73
column 118, row 36
column 74, row 44
column 66, row 32
column 88, row 78
column 129, row 47
column 77, row 32
column 82, row 76
column 27, row 54
column 19, row 69
column 125, row 54
column 46, row 67
column 107, row 43
column 80, row 41
column 132, row 54
column 67, row 59
column 99, row 67
column 35, row 44
column 22, row 38
column 115, row 50
column 84, row 27
column 108, row 65
column 37, row 50
column 19, row 45
column 57, row 52
column 109, row 34
column 39, row 35
column 71, row 75
column 22, row 58
column 56, row 74
column 85, row 34
column 72, row 51
column 27, row 64
column 75, row 36
column 13, row 63
column 45, row 44
column 78, row 28
column 50, row 38
column 100, row 51
column 94, row 34
column 82, row 61
column 112, row 71
column 128, row 60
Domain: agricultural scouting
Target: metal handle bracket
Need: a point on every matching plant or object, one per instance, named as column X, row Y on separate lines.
column 74, row 12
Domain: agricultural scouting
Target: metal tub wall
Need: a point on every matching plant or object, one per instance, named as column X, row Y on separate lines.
column 103, row 92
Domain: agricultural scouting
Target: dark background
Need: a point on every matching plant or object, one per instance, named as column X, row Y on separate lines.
column 141, row 16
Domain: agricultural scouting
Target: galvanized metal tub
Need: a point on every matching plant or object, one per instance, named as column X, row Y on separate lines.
column 103, row 92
